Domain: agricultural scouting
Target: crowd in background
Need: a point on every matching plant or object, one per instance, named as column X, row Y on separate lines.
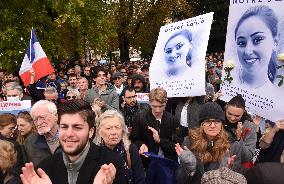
column 224, row 143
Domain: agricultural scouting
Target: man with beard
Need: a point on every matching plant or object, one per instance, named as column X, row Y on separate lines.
column 46, row 141
column 80, row 160
column 72, row 80
column 130, row 107
column 139, row 84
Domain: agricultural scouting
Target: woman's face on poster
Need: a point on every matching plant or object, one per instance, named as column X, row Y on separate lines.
column 255, row 44
column 176, row 51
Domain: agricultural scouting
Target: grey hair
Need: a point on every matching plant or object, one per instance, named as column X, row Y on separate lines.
column 111, row 114
column 84, row 78
column 51, row 107
column 75, row 91
column 50, row 90
column 15, row 86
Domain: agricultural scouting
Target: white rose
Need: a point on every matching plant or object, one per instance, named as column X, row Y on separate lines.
column 230, row 64
column 280, row 57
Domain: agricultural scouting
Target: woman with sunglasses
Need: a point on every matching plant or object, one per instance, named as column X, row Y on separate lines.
column 208, row 147
column 72, row 94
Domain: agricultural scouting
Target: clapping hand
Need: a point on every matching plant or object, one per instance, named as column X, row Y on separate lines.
column 231, row 160
column 105, row 175
column 155, row 134
column 179, row 149
column 239, row 130
column 29, row 175
column 143, row 148
column 279, row 125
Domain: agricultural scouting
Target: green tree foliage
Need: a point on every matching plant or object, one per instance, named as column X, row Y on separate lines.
column 219, row 26
column 138, row 22
column 65, row 28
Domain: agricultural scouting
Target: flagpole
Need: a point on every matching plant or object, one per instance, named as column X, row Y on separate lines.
column 31, row 45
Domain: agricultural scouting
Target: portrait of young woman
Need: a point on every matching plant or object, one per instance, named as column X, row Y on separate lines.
column 178, row 53
column 256, row 38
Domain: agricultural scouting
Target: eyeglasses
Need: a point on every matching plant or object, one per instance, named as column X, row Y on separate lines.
column 69, row 97
column 11, row 95
column 117, row 78
column 129, row 97
column 209, row 122
column 40, row 118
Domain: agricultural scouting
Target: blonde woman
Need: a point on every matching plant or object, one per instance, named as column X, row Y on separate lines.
column 8, row 159
column 25, row 126
column 208, row 147
column 111, row 133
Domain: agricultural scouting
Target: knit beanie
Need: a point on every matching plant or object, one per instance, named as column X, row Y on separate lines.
column 223, row 176
column 211, row 110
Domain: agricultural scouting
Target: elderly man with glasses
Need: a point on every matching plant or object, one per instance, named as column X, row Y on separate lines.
column 46, row 141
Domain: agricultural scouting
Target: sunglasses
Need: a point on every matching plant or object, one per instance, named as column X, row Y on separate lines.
column 69, row 97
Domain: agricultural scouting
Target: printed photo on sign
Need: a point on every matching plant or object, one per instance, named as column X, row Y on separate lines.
column 178, row 63
column 252, row 65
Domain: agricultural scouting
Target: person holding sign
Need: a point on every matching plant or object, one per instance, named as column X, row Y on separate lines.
column 178, row 50
column 256, row 45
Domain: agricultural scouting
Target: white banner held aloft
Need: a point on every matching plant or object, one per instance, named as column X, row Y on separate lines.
column 254, row 40
column 14, row 107
column 142, row 97
column 178, row 63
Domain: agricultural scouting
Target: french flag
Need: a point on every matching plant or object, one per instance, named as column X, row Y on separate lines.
column 35, row 58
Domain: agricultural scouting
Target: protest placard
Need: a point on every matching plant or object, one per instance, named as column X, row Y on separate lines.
column 254, row 39
column 178, row 63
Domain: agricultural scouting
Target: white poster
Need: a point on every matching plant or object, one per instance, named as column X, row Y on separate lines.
column 178, row 63
column 254, row 43
column 14, row 107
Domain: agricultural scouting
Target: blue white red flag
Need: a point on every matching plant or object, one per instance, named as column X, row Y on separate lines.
column 34, row 58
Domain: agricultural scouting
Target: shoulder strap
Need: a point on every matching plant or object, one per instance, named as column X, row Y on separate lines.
column 128, row 159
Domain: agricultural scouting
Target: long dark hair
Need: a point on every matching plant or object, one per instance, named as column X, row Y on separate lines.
column 270, row 19
column 239, row 102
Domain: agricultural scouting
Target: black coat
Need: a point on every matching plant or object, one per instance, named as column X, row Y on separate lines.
column 168, row 129
column 97, row 156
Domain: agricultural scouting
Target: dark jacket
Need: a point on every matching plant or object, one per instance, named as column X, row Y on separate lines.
column 97, row 156
column 274, row 151
column 37, row 148
column 131, row 112
column 138, row 175
column 168, row 129
column 266, row 173
column 192, row 111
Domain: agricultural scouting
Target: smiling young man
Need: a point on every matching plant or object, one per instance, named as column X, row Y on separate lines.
column 103, row 94
column 80, row 160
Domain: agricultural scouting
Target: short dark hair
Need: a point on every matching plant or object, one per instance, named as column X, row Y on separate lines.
column 128, row 88
column 79, row 106
column 238, row 101
column 72, row 75
column 97, row 70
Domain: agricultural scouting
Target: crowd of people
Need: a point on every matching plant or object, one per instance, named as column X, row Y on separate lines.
column 86, row 126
